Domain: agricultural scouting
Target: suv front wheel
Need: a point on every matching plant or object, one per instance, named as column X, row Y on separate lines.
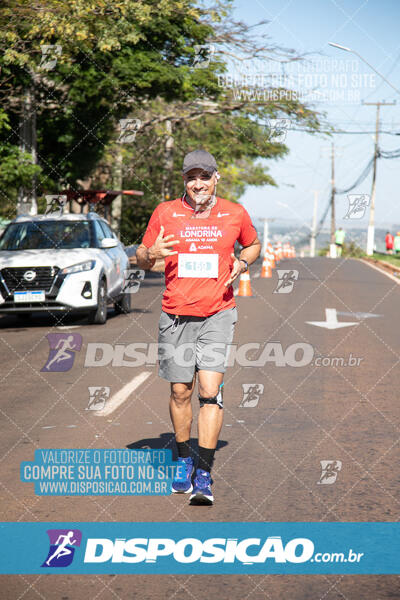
column 99, row 315
column 123, row 305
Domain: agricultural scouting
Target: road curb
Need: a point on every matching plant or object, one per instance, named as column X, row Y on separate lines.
column 384, row 267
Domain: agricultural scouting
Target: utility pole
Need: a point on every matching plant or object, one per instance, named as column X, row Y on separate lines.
column 371, row 224
column 168, row 162
column 116, row 206
column 332, row 248
column 314, row 225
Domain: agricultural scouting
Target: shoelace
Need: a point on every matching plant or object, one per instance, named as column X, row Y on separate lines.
column 203, row 480
column 182, row 474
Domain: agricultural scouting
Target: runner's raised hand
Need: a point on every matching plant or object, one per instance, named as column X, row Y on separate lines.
column 161, row 247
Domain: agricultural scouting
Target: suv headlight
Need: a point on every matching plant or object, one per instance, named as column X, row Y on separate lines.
column 79, row 267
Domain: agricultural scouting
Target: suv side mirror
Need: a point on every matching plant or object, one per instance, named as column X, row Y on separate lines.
column 107, row 243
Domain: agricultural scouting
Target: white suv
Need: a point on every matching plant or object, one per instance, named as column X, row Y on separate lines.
column 67, row 263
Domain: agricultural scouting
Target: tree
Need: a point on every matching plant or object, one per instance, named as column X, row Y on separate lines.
column 105, row 58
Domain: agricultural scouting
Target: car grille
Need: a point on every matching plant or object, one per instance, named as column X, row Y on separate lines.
column 18, row 278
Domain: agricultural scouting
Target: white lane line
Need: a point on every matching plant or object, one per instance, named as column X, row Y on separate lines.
column 68, row 326
column 396, row 279
column 123, row 394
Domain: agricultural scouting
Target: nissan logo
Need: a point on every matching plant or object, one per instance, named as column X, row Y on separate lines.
column 29, row 275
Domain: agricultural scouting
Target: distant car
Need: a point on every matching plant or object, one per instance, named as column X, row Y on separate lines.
column 68, row 263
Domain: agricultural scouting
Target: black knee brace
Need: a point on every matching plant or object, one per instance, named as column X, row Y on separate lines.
column 213, row 400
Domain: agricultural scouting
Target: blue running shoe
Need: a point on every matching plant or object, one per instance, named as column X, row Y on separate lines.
column 202, row 488
column 182, row 483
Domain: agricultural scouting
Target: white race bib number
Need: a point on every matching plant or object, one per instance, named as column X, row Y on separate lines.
column 197, row 265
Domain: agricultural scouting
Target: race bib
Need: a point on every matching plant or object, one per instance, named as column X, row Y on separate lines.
column 197, row 265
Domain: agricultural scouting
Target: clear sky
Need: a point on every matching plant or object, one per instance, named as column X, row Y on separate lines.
column 371, row 27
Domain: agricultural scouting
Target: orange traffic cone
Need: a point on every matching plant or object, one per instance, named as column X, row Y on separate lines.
column 271, row 256
column 286, row 253
column 266, row 270
column 244, row 285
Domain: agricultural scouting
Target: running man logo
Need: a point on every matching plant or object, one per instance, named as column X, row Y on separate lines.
column 277, row 130
column 357, row 206
column 251, row 394
column 202, row 57
column 55, row 203
column 128, row 130
column 286, row 279
column 133, row 279
column 330, row 470
column 62, row 351
column 50, row 54
column 98, row 395
column 62, row 547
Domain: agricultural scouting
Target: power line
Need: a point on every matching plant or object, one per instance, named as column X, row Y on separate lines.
column 359, row 179
column 389, row 153
column 341, row 132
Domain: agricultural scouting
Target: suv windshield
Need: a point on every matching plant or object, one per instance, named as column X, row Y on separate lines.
column 30, row 235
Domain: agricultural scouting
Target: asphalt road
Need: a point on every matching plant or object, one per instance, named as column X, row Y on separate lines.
column 267, row 466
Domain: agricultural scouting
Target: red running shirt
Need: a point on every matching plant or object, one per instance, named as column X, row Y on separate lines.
column 389, row 241
column 194, row 278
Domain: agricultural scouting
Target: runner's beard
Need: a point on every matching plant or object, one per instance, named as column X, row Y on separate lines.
column 204, row 202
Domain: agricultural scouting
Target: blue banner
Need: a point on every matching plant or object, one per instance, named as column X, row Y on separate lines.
column 200, row 548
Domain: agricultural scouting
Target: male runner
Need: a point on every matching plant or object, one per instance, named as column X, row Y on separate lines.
column 339, row 239
column 195, row 235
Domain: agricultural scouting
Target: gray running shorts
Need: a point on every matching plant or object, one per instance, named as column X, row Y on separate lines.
column 187, row 344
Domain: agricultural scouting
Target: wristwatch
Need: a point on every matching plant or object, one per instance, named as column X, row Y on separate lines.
column 246, row 263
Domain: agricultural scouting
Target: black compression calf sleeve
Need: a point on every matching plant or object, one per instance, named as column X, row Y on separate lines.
column 183, row 449
column 206, row 458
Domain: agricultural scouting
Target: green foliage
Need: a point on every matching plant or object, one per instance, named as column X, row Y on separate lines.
column 16, row 169
column 393, row 259
column 352, row 250
column 349, row 250
column 126, row 58
column 237, row 138
column 115, row 56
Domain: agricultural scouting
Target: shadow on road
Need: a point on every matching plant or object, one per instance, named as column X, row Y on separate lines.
column 167, row 441
column 36, row 319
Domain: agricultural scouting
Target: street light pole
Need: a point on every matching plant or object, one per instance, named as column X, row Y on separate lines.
column 371, row 224
column 265, row 234
column 366, row 62
column 314, row 225
column 332, row 247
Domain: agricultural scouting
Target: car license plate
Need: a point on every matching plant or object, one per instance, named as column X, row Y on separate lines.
column 35, row 296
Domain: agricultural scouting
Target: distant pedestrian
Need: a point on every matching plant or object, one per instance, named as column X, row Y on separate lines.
column 339, row 239
column 389, row 239
column 396, row 244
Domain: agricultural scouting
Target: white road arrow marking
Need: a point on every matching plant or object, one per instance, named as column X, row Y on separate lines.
column 331, row 321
